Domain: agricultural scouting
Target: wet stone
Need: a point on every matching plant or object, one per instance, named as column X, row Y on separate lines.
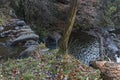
column 17, row 28
column 26, row 37
column 1, row 28
column 26, row 26
column 21, row 23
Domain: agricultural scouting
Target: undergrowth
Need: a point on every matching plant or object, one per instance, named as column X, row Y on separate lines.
column 47, row 67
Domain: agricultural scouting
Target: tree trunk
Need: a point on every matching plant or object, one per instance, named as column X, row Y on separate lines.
column 109, row 70
column 68, row 28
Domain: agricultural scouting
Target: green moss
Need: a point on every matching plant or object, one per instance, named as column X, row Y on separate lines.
column 28, row 76
column 2, row 19
column 111, row 9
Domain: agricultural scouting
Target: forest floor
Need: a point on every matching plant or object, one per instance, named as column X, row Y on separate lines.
column 47, row 67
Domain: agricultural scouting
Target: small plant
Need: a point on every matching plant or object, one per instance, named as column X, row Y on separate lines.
column 28, row 76
column 110, row 10
column 42, row 46
column 2, row 19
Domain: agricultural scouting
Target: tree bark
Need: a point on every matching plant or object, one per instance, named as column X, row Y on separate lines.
column 68, row 28
column 109, row 70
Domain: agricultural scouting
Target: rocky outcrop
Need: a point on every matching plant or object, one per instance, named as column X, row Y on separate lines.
column 16, row 37
column 17, row 34
column 52, row 14
column 109, row 70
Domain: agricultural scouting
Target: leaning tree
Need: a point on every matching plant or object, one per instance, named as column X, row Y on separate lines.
column 68, row 27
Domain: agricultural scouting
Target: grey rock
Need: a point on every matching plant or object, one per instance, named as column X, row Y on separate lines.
column 25, row 37
column 1, row 28
column 3, row 2
column 21, row 23
column 12, row 14
column 25, row 30
column 29, row 51
column 30, row 42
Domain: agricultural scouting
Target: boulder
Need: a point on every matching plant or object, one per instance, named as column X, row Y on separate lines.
column 21, row 23
column 25, row 37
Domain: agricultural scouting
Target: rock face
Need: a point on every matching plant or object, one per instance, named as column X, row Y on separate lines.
column 109, row 70
column 52, row 14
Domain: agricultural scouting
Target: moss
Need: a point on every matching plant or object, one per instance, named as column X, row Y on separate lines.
column 4, row 14
column 111, row 9
column 2, row 18
column 28, row 76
